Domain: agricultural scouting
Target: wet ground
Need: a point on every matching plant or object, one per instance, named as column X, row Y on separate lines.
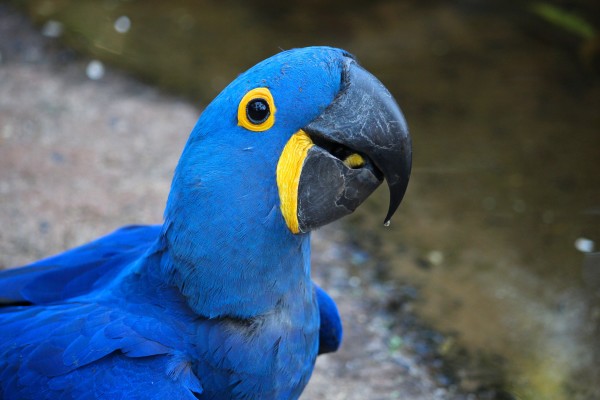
column 494, row 279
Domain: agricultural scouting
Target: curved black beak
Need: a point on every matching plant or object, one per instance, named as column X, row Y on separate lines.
column 361, row 136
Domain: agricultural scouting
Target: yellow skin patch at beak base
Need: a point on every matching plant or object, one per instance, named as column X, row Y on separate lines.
column 354, row 161
column 289, row 168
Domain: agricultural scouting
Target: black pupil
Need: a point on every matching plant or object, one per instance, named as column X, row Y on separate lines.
column 258, row 111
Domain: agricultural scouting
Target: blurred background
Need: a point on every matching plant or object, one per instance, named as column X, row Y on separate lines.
column 496, row 248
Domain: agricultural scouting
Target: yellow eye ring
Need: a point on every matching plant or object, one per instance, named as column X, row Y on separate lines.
column 256, row 111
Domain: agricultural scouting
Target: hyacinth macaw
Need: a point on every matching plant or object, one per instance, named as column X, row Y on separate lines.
column 217, row 302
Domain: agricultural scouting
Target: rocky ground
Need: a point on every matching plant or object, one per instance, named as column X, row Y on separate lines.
column 81, row 157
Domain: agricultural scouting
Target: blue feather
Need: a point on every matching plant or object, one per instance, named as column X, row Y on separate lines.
column 330, row 331
column 75, row 271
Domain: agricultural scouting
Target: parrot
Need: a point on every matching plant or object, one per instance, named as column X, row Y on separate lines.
column 217, row 302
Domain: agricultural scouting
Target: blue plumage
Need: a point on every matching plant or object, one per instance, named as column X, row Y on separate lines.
column 216, row 303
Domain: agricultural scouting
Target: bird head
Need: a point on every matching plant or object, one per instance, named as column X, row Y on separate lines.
column 307, row 132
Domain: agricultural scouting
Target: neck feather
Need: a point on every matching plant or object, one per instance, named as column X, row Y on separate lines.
column 238, row 269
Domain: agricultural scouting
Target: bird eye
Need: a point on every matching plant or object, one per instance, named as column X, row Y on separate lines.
column 256, row 111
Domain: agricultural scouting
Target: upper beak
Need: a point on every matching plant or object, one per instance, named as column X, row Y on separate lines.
column 357, row 141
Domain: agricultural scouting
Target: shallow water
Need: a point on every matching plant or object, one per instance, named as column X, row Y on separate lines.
column 503, row 211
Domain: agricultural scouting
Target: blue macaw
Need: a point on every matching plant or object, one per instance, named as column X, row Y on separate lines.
column 217, row 302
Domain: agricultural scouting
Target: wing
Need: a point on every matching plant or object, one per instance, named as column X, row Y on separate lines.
column 330, row 331
column 76, row 271
column 90, row 350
